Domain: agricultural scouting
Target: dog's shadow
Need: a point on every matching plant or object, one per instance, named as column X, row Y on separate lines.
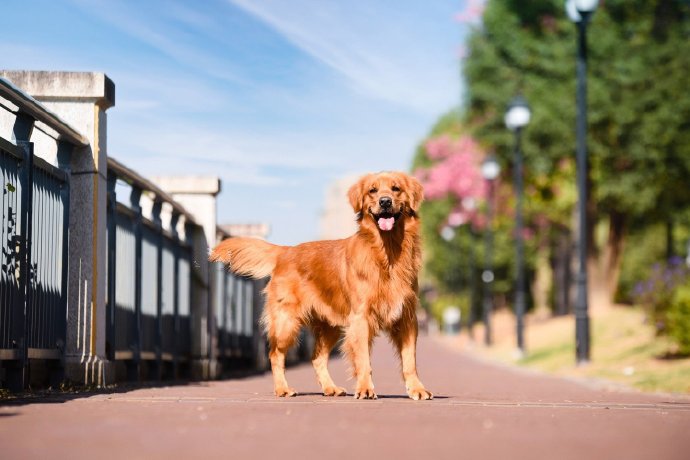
column 349, row 395
column 406, row 397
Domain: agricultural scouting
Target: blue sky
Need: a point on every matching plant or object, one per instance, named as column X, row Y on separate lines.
column 276, row 97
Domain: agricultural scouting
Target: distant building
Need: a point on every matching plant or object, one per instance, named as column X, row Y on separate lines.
column 338, row 218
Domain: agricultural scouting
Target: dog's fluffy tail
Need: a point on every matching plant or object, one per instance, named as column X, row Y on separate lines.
column 247, row 256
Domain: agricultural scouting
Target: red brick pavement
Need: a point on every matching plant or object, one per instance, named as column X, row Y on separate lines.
column 480, row 411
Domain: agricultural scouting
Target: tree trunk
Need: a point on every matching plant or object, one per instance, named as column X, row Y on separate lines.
column 614, row 252
column 598, row 292
column 561, row 263
column 669, row 239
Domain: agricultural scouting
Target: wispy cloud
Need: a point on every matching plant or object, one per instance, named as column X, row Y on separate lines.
column 170, row 92
column 154, row 31
column 367, row 46
column 169, row 147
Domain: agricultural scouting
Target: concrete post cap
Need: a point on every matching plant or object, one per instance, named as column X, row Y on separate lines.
column 46, row 85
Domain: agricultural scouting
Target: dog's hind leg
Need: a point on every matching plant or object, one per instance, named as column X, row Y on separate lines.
column 325, row 338
column 282, row 329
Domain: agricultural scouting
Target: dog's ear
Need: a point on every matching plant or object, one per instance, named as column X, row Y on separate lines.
column 415, row 192
column 355, row 195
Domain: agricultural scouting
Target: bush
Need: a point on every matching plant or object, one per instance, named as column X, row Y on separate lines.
column 656, row 293
column 643, row 248
column 679, row 319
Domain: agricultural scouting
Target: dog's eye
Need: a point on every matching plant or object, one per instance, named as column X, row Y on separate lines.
column 373, row 190
column 395, row 188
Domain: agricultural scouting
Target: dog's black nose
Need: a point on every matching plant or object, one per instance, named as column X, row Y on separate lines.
column 385, row 202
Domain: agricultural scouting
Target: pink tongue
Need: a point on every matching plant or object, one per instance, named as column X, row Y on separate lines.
column 386, row 224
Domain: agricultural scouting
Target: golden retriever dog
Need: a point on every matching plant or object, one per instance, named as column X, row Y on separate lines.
column 357, row 286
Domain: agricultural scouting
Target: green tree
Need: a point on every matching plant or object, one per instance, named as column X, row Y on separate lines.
column 639, row 108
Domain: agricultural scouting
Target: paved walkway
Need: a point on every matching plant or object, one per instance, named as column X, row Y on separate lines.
column 480, row 411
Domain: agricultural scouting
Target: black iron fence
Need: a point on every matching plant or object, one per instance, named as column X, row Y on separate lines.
column 34, row 231
column 235, row 316
column 166, row 307
column 149, row 291
column 33, row 282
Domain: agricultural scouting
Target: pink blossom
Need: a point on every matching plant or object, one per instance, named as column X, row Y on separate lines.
column 456, row 173
column 479, row 220
column 527, row 234
column 438, row 147
column 472, row 14
column 457, row 217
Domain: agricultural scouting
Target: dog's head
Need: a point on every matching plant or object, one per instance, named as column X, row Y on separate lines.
column 386, row 197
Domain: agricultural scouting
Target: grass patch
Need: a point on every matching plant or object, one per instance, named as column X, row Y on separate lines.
column 624, row 349
column 549, row 358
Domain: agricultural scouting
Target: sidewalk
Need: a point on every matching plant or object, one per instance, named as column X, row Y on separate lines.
column 479, row 411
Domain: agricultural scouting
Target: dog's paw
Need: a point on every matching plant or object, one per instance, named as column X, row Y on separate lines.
column 365, row 393
column 334, row 391
column 419, row 393
column 285, row 391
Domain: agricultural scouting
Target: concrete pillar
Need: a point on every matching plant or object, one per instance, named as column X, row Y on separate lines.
column 81, row 99
column 198, row 196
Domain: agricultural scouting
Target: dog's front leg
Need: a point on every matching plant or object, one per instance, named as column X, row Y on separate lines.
column 404, row 336
column 358, row 340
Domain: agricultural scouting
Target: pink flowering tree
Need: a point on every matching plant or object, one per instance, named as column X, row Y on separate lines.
column 448, row 163
column 472, row 14
column 455, row 173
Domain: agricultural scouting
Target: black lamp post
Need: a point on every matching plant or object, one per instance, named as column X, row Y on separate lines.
column 472, row 280
column 490, row 171
column 517, row 116
column 580, row 12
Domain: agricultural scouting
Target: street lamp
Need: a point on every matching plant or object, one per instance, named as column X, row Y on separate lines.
column 490, row 170
column 470, row 205
column 517, row 117
column 580, row 12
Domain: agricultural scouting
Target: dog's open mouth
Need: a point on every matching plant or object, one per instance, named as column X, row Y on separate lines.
column 386, row 220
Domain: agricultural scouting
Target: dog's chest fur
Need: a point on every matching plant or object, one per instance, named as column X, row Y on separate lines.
column 397, row 276
column 391, row 310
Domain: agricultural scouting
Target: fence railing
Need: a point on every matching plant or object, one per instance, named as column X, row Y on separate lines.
column 238, row 308
column 149, row 276
column 166, row 309
column 34, row 208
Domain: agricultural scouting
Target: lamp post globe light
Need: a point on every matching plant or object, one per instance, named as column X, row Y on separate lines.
column 490, row 171
column 517, row 116
column 490, row 168
column 580, row 12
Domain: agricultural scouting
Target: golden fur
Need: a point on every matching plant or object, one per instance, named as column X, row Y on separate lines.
column 357, row 286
